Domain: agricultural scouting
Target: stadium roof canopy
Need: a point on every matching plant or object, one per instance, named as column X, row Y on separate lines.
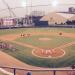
column 20, row 8
column 12, row 8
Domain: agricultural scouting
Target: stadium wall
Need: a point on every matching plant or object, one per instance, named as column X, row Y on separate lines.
column 19, row 71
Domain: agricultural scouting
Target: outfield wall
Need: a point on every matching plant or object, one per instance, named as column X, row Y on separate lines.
column 51, row 26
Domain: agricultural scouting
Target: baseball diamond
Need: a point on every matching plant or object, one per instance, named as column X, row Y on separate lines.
column 40, row 47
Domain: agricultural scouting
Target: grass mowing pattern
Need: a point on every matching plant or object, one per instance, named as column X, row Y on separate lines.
column 28, row 30
column 25, row 54
column 55, row 41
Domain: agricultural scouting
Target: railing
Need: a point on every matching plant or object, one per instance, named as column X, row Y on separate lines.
column 18, row 71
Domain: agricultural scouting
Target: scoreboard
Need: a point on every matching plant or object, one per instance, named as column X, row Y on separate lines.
column 8, row 22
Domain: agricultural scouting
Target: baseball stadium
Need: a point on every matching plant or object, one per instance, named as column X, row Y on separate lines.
column 36, row 41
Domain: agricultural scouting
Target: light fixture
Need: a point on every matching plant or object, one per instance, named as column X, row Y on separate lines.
column 54, row 3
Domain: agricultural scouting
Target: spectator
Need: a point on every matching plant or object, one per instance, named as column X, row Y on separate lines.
column 73, row 66
column 29, row 73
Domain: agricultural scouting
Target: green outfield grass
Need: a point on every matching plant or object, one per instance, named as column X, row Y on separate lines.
column 54, row 41
column 24, row 54
column 28, row 30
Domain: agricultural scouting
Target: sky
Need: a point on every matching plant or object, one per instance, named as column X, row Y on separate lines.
column 53, row 5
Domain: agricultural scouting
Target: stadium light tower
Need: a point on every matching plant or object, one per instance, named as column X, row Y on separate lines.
column 24, row 5
column 31, row 13
column 26, row 8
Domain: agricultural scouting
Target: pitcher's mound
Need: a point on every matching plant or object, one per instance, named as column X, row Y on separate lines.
column 44, row 39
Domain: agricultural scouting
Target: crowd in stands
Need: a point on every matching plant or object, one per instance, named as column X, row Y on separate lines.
column 33, row 21
column 70, row 22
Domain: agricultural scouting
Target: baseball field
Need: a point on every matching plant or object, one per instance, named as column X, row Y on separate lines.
column 40, row 47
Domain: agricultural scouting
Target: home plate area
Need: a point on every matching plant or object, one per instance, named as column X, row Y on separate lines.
column 48, row 53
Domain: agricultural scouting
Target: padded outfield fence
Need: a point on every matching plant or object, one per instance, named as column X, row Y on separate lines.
column 18, row 71
column 50, row 26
